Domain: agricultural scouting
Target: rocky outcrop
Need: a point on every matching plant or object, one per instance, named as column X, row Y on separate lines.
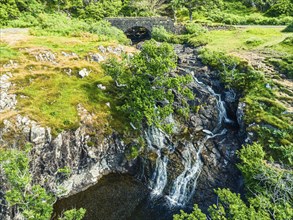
column 7, row 100
column 201, row 151
column 87, row 157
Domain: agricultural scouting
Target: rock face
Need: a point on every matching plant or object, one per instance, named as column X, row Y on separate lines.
column 183, row 168
column 200, row 155
column 7, row 101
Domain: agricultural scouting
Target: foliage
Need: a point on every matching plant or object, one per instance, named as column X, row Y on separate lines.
column 161, row 34
column 230, row 206
column 98, row 10
column 252, row 18
column 73, row 214
column 62, row 25
column 198, row 41
column 58, row 24
column 289, row 28
column 281, row 7
column 284, row 65
column 108, row 32
column 197, row 5
column 196, row 214
column 254, row 41
column 147, row 7
column 148, row 91
column 29, row 199
column 195, row 29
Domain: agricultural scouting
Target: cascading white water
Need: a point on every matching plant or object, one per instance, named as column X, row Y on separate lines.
column 222, row 113
column 184, row 185
column 155, row 142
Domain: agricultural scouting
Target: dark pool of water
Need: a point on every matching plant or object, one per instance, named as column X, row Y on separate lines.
column 117, row 197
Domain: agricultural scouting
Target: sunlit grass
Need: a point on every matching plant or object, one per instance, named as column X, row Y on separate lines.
column 7, row 53
column 237, row 40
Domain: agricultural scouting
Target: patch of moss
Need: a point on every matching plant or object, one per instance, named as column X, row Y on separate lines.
column 7, row 53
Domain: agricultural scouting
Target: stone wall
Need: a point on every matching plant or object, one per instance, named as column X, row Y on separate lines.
column 147, row 22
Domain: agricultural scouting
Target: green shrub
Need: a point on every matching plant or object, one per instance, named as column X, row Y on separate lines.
column 195, row 29
column 61, row 25
column 22, row 194
column 198, row 41
column 148, row 95
column 289, row 28
column 282, row 7
column 284, row 65
column 161, row 34
column 107, row 32
column 255, row 18
column 254, row 41
column 58, row 24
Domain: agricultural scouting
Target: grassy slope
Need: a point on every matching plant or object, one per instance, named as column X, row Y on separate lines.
column 50, row 96
column 265, row 106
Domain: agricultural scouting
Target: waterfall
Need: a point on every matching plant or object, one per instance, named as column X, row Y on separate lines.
column 220, row 105
column 184, row 185
column 156, row 142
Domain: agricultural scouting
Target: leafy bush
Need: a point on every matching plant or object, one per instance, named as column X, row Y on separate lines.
column 98, row 10
column 161, row 34
column 31, row 200
column 284, row 65
column 24, row 20
column 107, row 32
column 282, row 7
column 148, row 92
column 198, row 41
column 61, row 25
column 58, row 24
column 255, row 18
column 195, row 29
column 289, row 28
column 254, row 41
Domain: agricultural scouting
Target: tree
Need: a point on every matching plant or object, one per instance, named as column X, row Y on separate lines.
column 103, row 8
column 27, row 199
column 148, row 7
column 147, row 94
column 176, row 5
column 196, row 5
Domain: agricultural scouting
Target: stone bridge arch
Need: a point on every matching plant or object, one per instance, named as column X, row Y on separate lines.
column 128, row 23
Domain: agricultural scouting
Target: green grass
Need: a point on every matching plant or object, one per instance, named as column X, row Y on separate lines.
column 239, row 39
column 46, row 94
column 7, row 53
column 79, row 45
column 52, row 98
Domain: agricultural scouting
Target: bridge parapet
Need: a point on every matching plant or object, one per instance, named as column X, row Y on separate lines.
column 126, row 23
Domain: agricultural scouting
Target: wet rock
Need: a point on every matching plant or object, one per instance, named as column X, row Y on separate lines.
column 240, row 116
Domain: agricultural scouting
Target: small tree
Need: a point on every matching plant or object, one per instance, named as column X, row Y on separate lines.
column 29, row 199
column 149, row 91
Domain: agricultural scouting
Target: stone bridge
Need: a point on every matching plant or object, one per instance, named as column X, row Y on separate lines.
column 128, row 23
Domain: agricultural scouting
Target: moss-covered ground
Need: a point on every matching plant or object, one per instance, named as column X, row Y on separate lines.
column 50, row 91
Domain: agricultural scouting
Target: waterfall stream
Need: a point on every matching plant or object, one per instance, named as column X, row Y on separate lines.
column 184, row 185
column 155, row 141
